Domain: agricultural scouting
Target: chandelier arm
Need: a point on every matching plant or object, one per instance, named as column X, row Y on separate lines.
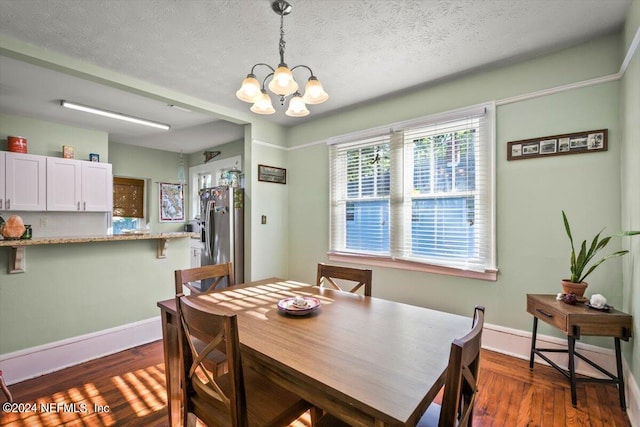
column 303, row 66
column 262, row 63
column 264, row 81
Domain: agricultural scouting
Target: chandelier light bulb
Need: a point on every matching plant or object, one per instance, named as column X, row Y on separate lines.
column 263, row 104
column 249, row 89
column 297, row 107
column 314, row 92
column 282, row 82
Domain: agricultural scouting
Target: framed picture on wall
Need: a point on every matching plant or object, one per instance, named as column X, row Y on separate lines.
column 569, row 143
column 272, row 174
column 171, row 202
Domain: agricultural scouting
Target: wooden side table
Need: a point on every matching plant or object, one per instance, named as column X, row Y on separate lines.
column 576, row 321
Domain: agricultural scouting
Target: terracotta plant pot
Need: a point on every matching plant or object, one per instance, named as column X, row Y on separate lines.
column 576, row 288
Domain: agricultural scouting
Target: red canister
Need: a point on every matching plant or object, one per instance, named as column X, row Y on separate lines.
column 17, row 144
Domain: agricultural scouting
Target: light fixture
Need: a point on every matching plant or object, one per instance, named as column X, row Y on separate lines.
column 113, row 115
column 282, row 81
column 182, row 179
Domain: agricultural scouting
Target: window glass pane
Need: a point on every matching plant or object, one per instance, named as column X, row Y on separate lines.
column 368, row 226
column 442, row 227
column 122, row 224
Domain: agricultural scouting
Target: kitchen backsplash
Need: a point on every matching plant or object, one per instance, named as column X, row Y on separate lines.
column 58, row 224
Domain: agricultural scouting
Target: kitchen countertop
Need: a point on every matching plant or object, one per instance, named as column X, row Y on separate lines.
column 17, row 248
column 98, row 238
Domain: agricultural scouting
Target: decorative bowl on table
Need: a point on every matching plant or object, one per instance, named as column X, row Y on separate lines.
column 298, row 306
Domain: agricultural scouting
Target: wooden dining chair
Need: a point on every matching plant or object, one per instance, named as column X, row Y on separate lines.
column 328, row 274
column 210, row 276
column 460, row 388
column 461, row 383
column 238, row 398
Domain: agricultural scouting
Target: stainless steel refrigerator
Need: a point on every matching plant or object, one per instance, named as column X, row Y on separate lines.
column 222, row 221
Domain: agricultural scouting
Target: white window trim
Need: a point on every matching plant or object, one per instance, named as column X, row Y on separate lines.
column 491, row 271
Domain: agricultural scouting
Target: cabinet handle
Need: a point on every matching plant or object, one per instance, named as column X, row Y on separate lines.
column 8, row 204
column 78, row 205
column 544, row 313
column 0, row 203
column 84, row 206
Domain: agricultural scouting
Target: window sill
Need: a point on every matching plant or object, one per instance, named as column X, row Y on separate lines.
column 491, row 275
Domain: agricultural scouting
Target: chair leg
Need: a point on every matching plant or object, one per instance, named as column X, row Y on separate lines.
column 315, row 414
column 5, row 389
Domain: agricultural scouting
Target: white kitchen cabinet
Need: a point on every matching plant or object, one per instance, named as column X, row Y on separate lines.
column 81, row 186
column 23, row 182
column 196, row 251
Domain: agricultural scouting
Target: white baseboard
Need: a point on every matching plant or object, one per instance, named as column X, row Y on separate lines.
column 43, row 359
column 33, row 362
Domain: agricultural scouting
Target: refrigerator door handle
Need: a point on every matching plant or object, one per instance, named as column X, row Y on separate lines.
column 207, row 231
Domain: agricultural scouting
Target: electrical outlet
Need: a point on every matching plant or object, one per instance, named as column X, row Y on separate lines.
column 43, row 222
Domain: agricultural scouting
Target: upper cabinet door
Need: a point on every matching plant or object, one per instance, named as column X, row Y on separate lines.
column 64, row 184
column 25, row 182
column 97, row 187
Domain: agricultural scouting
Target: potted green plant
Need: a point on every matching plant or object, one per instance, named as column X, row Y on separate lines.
column 581, row 264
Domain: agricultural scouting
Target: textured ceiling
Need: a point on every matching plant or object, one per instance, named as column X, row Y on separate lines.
column 360, row 50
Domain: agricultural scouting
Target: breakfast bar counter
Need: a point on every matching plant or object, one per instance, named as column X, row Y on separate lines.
column 17, row 247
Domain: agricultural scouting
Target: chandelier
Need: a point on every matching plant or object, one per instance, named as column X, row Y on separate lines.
column 282, row 82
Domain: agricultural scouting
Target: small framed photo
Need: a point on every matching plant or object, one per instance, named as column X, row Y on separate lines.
column 93, row 157
column 272, row 174
column 556, row 145
column 67, row 152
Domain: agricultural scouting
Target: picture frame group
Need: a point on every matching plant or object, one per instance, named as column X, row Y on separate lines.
column 556, row 145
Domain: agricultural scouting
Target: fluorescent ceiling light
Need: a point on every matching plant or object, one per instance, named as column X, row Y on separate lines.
column 113, row 115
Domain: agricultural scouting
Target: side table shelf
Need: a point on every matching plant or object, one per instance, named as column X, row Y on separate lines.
column 576, row 321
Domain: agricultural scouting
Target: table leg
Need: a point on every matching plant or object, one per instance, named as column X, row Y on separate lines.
column 533, row 341
column 172, row 369
column 623, row 401
column 571, row 341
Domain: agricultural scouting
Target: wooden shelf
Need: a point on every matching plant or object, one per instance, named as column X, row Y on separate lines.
column 17, row 248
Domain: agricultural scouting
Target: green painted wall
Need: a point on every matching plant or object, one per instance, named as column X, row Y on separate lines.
column 74, row 289
column 47, row 138
column 630, row 159
column 154, row 166
column 532, row 247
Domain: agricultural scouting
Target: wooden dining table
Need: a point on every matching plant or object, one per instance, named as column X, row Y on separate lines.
column 369, row 361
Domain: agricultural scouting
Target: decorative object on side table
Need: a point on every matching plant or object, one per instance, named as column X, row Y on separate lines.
column 578, row 264
column 93, row 157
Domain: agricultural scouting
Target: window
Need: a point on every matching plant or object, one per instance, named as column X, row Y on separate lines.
column 128, row 204
column 417, row 194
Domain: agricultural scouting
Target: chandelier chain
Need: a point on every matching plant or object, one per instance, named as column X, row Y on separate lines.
column 282, row 42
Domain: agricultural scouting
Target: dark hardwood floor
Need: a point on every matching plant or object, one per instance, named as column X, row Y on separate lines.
column 131, row 384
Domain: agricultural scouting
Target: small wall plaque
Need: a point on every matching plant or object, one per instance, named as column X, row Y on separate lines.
column 272, row 174
column 556, row 145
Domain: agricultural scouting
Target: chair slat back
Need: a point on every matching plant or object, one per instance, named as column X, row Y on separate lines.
column 224, row 392
column 461, row 383
column 327, row 275
column 215, row 272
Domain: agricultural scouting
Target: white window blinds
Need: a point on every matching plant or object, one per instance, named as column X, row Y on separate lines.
column 421, row 191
